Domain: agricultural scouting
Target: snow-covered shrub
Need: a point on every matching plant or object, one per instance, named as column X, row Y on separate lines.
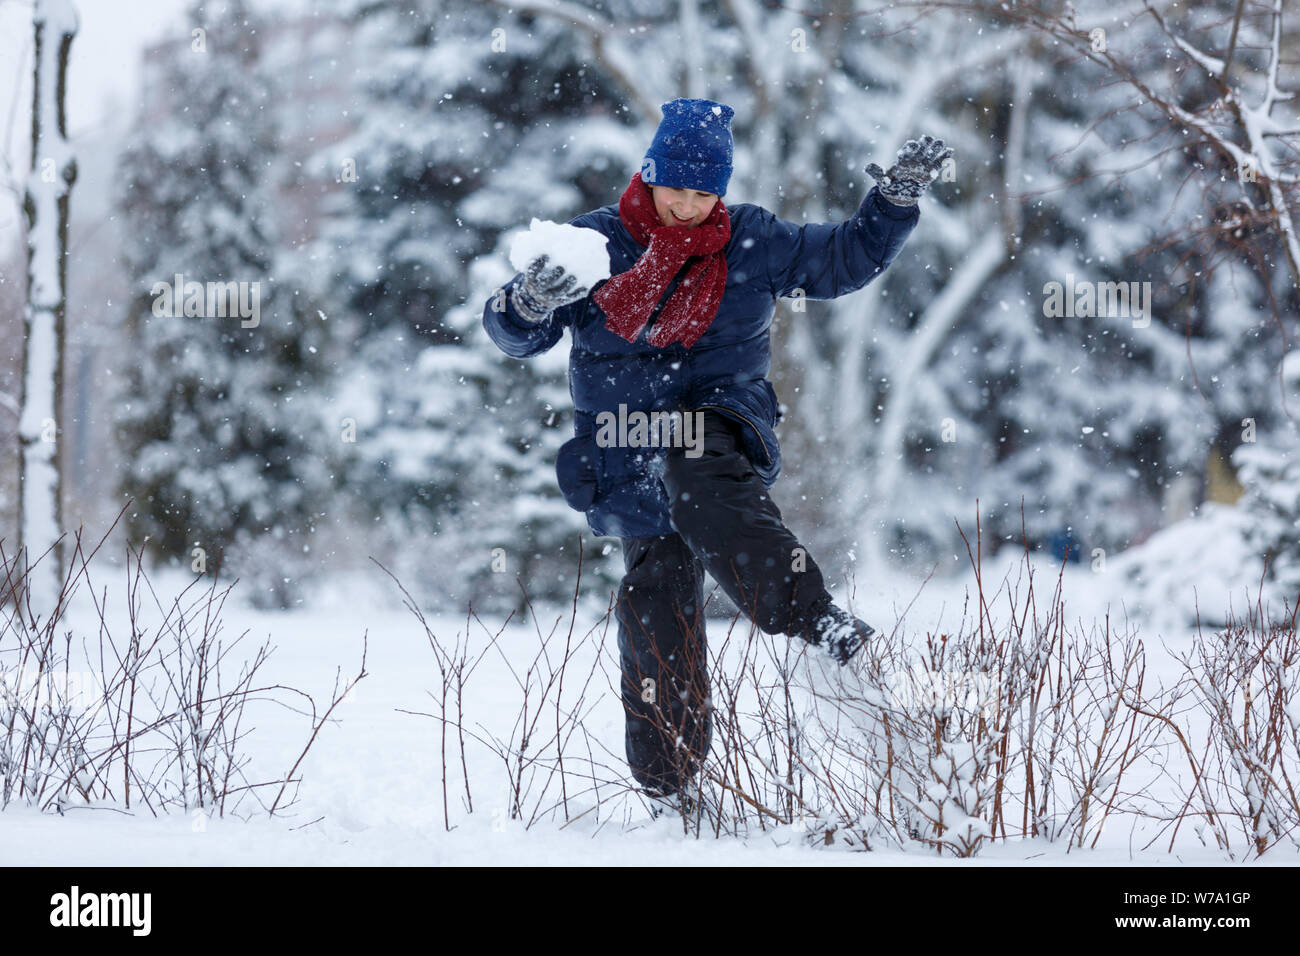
column 1011, row 725
column 545, row 755
column 1245, row 679
column 913, row 749
column 1089, row 722
column 148, row 712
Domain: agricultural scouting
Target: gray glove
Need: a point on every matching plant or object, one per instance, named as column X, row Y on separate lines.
column 541, row 291
column 918, row 164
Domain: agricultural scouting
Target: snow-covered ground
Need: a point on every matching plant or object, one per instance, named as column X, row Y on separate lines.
column 371, row 791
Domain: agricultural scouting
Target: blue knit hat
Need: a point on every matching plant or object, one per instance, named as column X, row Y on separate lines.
column 692, row 147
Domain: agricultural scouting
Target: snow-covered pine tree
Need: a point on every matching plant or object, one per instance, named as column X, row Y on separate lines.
column 1269, row 468
column 976, row 390
column 221, row 420
column 472, row 121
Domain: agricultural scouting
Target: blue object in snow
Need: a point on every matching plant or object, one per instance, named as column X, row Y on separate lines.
column 1064, row 546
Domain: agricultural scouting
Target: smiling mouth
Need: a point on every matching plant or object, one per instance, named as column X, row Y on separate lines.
column 681, row 218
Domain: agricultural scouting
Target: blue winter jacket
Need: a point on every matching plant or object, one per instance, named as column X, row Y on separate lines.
column 619, row 488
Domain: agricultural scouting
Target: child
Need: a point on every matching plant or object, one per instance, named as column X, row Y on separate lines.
column 682, row 329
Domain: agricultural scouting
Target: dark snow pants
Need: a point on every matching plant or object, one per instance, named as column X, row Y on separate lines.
column 726, row 523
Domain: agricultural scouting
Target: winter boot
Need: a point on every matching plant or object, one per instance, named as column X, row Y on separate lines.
column 694, row 805
column 686, row 802
column 836, row 631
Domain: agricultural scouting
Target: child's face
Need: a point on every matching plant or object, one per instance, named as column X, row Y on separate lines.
column 682, row 207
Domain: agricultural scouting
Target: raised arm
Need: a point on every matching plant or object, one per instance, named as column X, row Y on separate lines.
column 824, row 260
column 829, row 259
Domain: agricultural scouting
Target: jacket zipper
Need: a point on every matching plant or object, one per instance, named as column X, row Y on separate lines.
column 736, row 414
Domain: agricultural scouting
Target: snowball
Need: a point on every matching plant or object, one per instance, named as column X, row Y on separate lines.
column 581, row 251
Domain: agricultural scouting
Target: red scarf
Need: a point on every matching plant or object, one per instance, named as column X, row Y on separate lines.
column 630, row 297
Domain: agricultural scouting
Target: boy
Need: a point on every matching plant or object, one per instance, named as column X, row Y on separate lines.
column 681, row 329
